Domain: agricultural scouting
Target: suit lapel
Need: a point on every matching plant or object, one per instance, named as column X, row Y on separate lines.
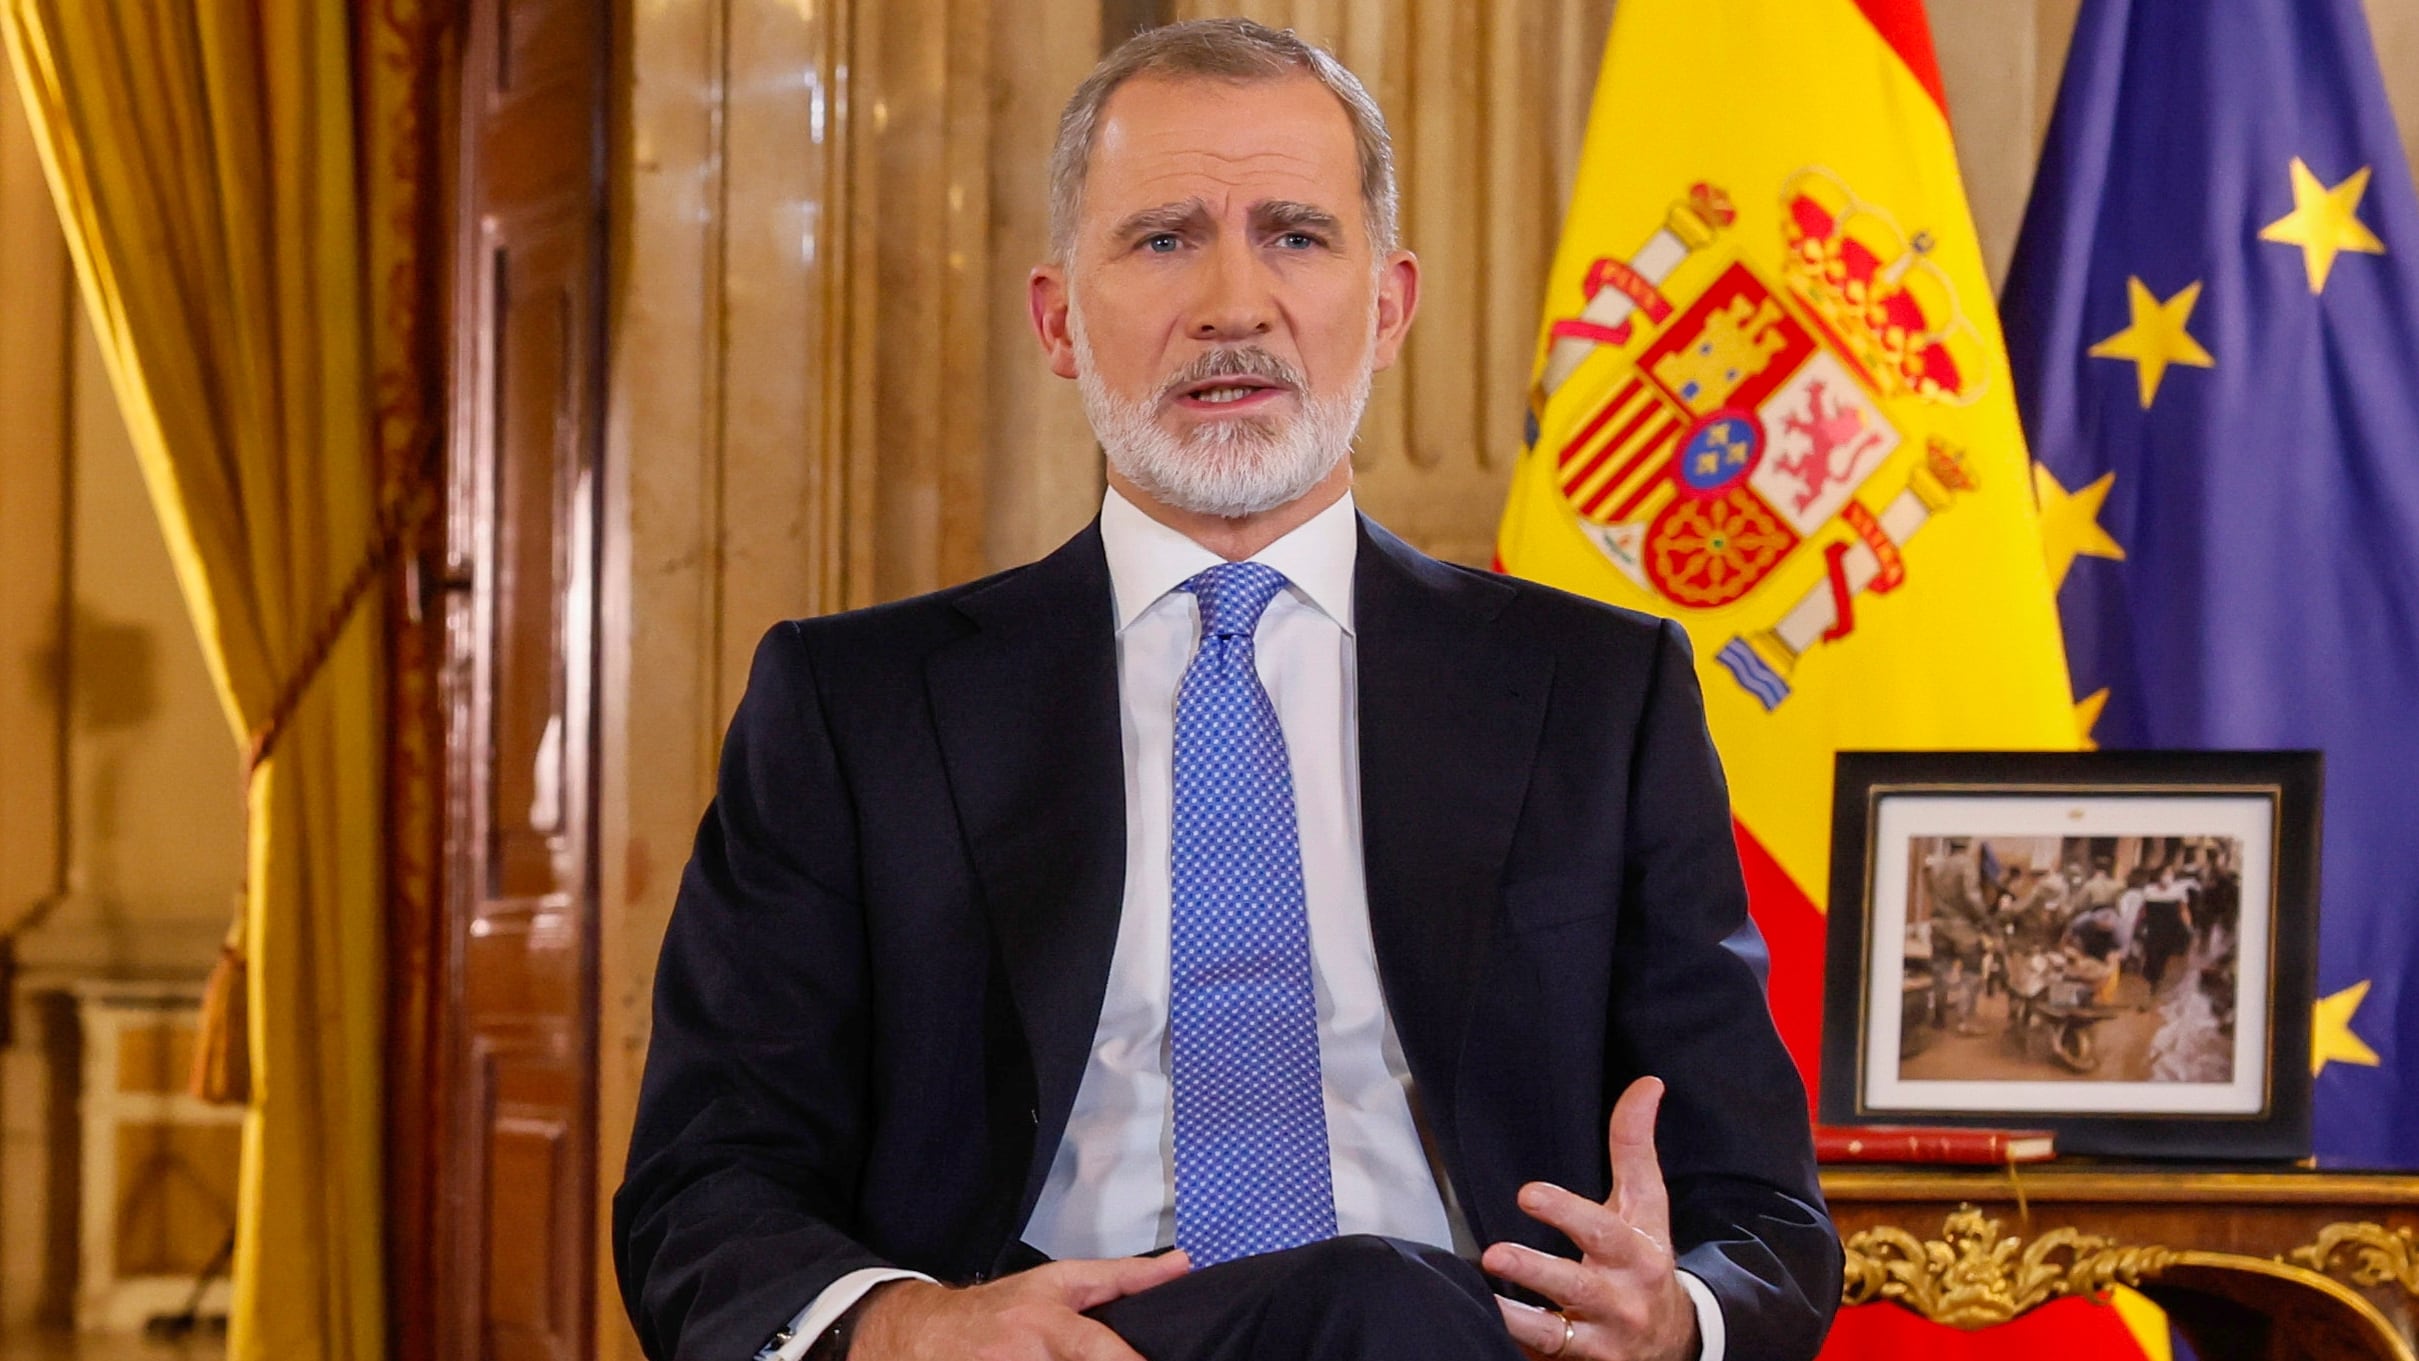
column 1450, row 717
column 1027, row 715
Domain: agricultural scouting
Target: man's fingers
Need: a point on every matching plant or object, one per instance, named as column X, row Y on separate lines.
column 1089, row 1284
column 1559, row 1279
column 1637, row 1174
column 1137, row 1274
column 1538, row 1331
column 1597, row 1230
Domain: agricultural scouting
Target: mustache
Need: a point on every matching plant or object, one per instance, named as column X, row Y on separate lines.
column 1241, row 361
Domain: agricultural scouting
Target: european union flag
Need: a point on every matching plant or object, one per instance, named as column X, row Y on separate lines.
column 2214, row 324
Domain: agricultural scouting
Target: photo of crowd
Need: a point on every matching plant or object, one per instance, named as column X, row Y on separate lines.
column 2071, row 958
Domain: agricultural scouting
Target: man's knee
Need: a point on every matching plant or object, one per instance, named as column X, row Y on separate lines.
column 1360, row 1298
column 1378, row 1260
column 1389, row 1285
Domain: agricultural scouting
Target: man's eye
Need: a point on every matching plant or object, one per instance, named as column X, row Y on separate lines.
column 1299, row 241
column 1160, row 243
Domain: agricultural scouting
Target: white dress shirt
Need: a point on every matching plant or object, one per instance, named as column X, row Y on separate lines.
column 1111, row 1189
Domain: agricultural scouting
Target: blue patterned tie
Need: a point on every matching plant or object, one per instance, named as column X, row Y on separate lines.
column 1251, row 1134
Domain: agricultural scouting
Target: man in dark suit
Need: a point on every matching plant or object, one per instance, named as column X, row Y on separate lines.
column 1236, row 880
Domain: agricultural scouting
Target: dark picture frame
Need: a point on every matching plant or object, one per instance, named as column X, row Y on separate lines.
column 2119, row 947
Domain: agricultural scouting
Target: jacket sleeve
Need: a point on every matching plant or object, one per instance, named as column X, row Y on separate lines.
column 751, row 1128
column 1688, row 1006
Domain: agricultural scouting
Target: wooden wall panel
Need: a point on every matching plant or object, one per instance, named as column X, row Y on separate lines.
column 822, row 392
column 660, row 619
column 776, row 400
column 1043, row 475
column 919, row 212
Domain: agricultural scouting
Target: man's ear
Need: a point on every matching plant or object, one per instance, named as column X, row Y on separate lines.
column 1047, row 297
column 1397, row 302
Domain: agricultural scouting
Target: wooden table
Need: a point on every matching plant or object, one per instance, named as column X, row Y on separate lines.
column 2268, row 1265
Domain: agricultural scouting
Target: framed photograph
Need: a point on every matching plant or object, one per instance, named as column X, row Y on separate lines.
column 2117, row 946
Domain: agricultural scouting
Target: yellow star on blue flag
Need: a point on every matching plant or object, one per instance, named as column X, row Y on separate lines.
column 2324, row 221
column 2156, row 336
column 2331, row 1037
column 2070, row 522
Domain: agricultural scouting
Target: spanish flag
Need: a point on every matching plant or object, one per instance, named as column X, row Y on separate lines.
column 2125, row 1326
column 1771, row 401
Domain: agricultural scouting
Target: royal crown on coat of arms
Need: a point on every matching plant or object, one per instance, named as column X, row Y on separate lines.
column 1742, row 418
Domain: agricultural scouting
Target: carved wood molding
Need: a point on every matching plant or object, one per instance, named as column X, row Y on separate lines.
column 2367, row 1255
column 1974, row 1276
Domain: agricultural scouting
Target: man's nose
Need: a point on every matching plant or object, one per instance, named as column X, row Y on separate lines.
column 1235, row 302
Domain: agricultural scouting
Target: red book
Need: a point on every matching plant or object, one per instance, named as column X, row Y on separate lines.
column 1931, row 1144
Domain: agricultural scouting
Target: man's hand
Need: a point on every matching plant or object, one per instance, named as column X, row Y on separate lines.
column 1033, row 1315
column 1622, row 1299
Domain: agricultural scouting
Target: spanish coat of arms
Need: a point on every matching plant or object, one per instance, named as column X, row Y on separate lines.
column 1746, row 415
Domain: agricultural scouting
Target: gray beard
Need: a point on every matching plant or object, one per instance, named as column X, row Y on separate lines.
column 1231, row 468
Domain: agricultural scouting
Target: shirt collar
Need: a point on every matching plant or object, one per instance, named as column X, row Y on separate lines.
column 1148, row 559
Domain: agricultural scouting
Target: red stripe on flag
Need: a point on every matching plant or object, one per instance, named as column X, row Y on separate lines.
column 2075, row 1329
column 1596, row 423
column 1902, row 25
column 1793, row 932
column 1617, row 444
column 1575, row 473
column 1621, row 476
column 1670, row 430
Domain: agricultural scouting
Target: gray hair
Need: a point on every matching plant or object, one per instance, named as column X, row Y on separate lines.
column 1235, row 50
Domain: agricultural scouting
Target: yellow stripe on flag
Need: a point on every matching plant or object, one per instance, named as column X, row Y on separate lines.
column 2146, row 1321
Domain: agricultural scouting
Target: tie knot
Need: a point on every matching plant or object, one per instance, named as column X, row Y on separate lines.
column 1233, row 595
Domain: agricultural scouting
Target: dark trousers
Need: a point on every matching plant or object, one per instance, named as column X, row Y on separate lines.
column 1360, row 1298
column 2164, row 936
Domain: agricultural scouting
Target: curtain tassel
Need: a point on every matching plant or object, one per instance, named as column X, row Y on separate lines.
column 222, row 1052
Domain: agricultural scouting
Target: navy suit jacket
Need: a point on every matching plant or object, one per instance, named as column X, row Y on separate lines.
column 881, row 979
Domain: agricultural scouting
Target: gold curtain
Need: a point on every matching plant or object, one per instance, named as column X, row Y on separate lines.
column 202, row 155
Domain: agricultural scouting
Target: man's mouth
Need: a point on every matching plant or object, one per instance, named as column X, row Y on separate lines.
column 1226, row 394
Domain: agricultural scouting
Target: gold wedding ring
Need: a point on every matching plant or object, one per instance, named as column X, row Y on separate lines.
column 1569, row 1331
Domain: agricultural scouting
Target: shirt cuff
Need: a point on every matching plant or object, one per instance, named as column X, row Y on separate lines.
column 838, row 1298
column 1711, row 1339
